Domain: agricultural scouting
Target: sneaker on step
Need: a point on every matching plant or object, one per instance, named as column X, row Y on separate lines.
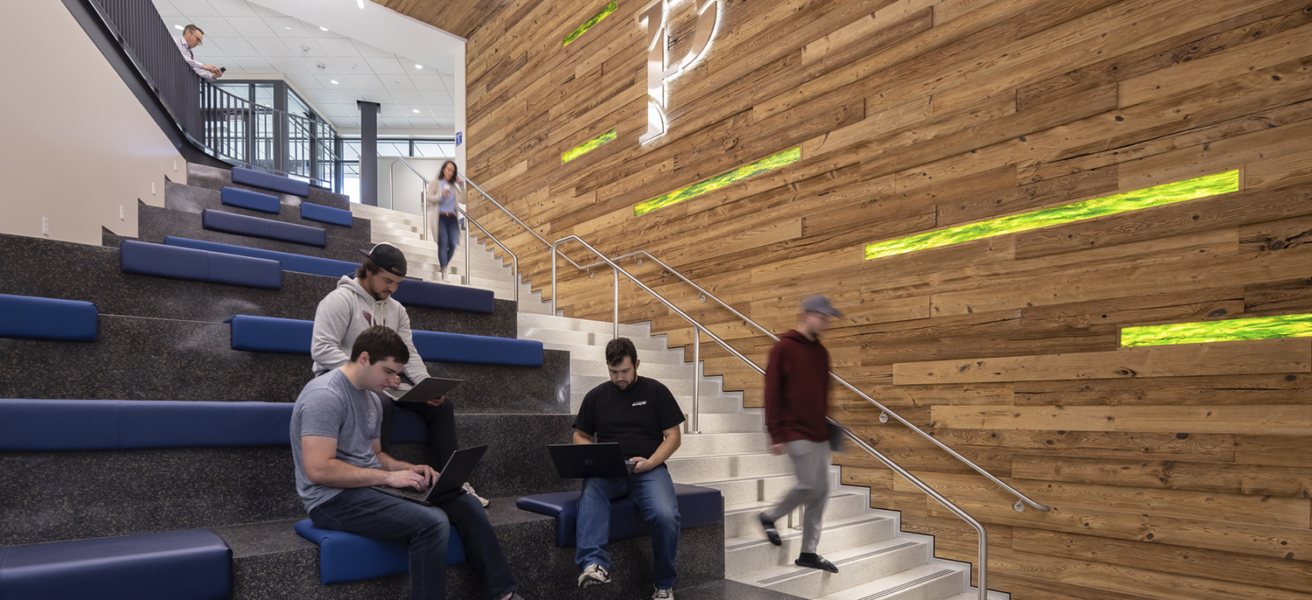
column 593, row 575
column 481, row 500
column 815, row 561
column 663, row 594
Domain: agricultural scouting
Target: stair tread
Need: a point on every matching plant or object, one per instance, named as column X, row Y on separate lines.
column 840, row 558
column 918, row 576
column 751, row 540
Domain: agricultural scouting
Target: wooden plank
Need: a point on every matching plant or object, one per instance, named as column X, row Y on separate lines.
column 1259, row 571
column 1265, row 419
column 1063, row 443
column 1274, row 450
column 1242, row 390
column 1291, row 296
column 1276, row 235
column 1237, row 508
column 1175, row 475
column 1075, row 418
column 1025, row 198
column 1235, row 358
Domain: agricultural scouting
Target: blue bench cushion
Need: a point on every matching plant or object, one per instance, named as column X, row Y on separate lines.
column 253, row 200
column 326, row 214
column 108, row 424
column 263, row 228
column 199, row 265
column 698, row 506
column 269, row 181
column 456, row 347
column 268, row 334
column 176, row 565
column 349, row 557
column 47, row 318
column 424, row 293
column 290, row 262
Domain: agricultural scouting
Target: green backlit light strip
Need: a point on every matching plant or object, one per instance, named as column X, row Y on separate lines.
column 605, row 12
column 719, row 181
column 587, row 146
column 1260, row 328
column 1170, row 193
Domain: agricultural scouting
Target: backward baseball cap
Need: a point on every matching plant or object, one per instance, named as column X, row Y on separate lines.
column 388, row 258
column 821, row 305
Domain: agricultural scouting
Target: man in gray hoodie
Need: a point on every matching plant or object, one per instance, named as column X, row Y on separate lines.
column 364, row 301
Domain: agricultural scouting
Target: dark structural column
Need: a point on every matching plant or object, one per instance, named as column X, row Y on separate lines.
column 368, row 152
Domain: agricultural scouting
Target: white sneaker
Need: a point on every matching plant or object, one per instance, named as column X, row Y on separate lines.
column 593, row 575
column 470, row 489
column 663, row 594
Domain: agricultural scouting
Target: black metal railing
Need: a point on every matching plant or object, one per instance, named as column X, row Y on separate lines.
column 224, row 125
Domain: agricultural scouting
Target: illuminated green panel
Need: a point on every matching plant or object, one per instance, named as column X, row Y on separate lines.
column 1261, row 328
column 587, row 146
column 1192, row 189
column 719, row 181
column 610, row 8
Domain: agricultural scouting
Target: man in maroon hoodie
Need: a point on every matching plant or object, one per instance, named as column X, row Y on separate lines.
column 796, row 403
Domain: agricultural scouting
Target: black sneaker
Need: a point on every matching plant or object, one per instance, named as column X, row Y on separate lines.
column 815, row 561
column 770, row 531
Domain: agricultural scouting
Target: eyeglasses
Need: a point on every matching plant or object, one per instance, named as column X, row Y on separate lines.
column 199, row 40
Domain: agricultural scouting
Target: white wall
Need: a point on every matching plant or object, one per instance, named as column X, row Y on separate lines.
column 77, row 145
column 408, row 187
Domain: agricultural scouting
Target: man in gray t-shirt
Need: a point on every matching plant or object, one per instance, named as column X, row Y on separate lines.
column 335, row 446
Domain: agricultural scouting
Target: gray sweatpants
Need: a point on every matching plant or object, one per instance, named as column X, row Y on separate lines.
column 811, row 463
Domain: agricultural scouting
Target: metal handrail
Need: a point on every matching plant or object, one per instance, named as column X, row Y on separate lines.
column 423, row 229
column 521, row 223
column 698, row 327
column 1022, row 499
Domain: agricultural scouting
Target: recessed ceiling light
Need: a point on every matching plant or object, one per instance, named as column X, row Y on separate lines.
column 334, row 81
column 419, row 66
column 359, row 3
column 178, row 27
column 323, row 28
column 288, row 28
column 416, row 111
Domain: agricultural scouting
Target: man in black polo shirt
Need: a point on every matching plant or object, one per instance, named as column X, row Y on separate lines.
column 642, row 416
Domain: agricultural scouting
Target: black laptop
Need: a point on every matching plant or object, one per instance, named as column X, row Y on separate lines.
column 450, row 481
column 428, row 389
column 576, row 461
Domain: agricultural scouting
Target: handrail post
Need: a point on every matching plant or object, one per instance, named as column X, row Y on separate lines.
column 616, row 272
column 696, row 375
column 553, row 279
column 466, row 274
column 423, row 206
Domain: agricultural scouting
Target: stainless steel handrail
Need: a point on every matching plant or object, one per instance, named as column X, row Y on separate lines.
column 521, row 223
column 513, row 259
column 983, row 535
column 1022, row 499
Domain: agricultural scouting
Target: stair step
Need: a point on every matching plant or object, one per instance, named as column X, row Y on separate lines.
column 752, row 489
column 856, row 566
column 597, row 352
column 745, row 554
column 727, row 466
column 736, row 422
column 724, row 443
column 933, row 581
column 599, row 327
column 586, row 339
column 741, row 520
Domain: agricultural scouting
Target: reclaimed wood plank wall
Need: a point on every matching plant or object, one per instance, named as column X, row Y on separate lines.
column 1178, row 472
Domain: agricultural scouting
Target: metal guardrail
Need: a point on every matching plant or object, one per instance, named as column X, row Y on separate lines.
column 222, row 124
column 699, row 328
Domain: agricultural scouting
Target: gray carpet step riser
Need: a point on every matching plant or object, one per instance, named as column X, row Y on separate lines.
column 155, row 223
column 80, row 494
column 216, row 179
column 156, row 359
column 192, row 199
column 91, row 273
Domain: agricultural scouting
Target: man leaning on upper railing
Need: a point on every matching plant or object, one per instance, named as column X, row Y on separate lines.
column 192, row 37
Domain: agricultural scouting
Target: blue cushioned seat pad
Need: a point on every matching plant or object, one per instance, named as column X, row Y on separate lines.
column 270, row 181
column 253, row 200
column 440, row 346
column 268, row 334
column 47, row 318
column 698, row 506
column 175, row 565
column 290, row 262
column 349, row 557
column 263, row 228
column 439, row 295
column 47, row 424
column 326, row 214
column 199, row 265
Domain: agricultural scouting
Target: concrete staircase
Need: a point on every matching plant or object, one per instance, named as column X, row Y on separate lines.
column 876, row 560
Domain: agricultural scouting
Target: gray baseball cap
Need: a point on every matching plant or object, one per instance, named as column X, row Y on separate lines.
column 821, row 305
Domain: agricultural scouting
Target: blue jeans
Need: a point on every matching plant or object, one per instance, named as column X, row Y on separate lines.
column 448, row 233
column 653, row 493
column 373, row 514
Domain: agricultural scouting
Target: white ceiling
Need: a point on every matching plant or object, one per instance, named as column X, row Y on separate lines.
column 254, row 42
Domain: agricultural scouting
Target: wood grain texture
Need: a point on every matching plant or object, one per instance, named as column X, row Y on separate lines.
column 918, row 115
